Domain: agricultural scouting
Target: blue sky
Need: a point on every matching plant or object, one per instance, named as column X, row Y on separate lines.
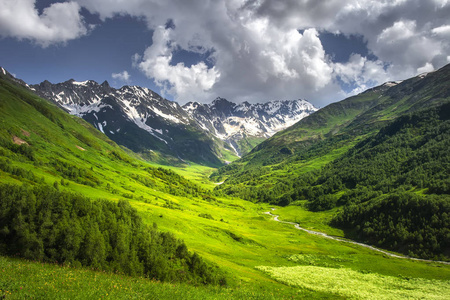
column 254, row 50
column 106, row 50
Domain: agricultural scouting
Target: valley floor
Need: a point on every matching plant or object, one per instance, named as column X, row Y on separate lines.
column 264, row 260
column 297, row 226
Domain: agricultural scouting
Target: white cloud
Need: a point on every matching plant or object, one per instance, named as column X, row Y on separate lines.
column 406, row 35
column 426, row 68
column 184, row 83
column 398, row 32
column 60, row 22
column 255, row 57
column 443, row 31
column 123, row 76
column 259, row 54
column 361, row 73
column 268, row 63
column 259, row 49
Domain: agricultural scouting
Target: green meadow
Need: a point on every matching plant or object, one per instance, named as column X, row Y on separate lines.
column 359, row 285
column 261, row 258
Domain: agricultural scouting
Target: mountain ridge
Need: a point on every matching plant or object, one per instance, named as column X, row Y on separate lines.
column 212, row 133
column 233, row 122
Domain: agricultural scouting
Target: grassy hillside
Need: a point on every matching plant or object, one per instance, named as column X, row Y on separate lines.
column 331, row 131
column 57, row 154
column 269, row 169
column 380, row 146
column 66, row 157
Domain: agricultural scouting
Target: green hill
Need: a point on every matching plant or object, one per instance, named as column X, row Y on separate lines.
column 347, row 120
column 385, row 144
column 394, row 186
column 45, row 156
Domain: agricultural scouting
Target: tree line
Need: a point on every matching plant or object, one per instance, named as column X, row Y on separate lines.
column 407, row 159
column 44, row 224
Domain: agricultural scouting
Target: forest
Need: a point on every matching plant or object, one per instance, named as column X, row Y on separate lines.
column 407, row 159
column 44, row 224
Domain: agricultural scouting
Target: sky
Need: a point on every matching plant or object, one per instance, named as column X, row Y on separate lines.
column 242, row 50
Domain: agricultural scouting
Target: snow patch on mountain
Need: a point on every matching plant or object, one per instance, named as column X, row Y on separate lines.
column 100, row 127
column 394, row 83
column 84, row 83
column 220, row 120
column 166, row 116
column 230, row 122
column 235, row 150
column 81, row 110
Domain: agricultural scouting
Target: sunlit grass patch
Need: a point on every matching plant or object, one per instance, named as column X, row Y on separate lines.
column 320, row 260
column 317, row 221
column 358, row 285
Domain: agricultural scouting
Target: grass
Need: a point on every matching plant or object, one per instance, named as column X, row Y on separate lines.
column 317, row 221
column 357, row 285
column 21, row 279
column 237, row 236
column 192, row 171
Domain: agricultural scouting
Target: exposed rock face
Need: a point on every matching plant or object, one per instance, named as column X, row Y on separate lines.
column 233, row 122
column 142, row 120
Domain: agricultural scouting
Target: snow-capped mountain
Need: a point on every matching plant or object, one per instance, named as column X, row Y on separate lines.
column 234, row 123
column 143, row 121
column 136, row 118
column 139, row 105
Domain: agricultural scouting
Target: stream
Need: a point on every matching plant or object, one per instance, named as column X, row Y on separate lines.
column 297, row 226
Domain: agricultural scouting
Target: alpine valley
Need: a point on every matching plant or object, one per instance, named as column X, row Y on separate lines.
column 120, row 193
column 143, row 121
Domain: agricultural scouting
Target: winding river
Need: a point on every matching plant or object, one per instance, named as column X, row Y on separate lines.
column 297, row 226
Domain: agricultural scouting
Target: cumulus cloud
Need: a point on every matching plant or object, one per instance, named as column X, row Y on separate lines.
column 443, row 31
column 122, row 76
column 60, row 22
column 405, row 34
column 268, row 49
column 360, row 73
column 259, row 50
column 184, row 83
column 426, row 68
column 397, row 33
column 251, row 56
column 272, row 64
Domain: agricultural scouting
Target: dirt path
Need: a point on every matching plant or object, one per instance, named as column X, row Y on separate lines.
column 297, row 226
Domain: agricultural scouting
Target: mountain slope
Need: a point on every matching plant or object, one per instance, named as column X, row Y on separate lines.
column 65, row 157
column 368, row 153
column 144, row 122
column 137, row 118
column 358, row 115
column 336, row 127
column 47, row 157
column 395, row 185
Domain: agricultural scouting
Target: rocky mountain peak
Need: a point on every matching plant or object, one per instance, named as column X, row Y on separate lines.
column 140, row 119
column 236, row 123
column 105, row 84
column 11, row 77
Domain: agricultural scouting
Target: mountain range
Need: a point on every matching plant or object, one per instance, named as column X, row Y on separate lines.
column 145, row 122
column 372, row 168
